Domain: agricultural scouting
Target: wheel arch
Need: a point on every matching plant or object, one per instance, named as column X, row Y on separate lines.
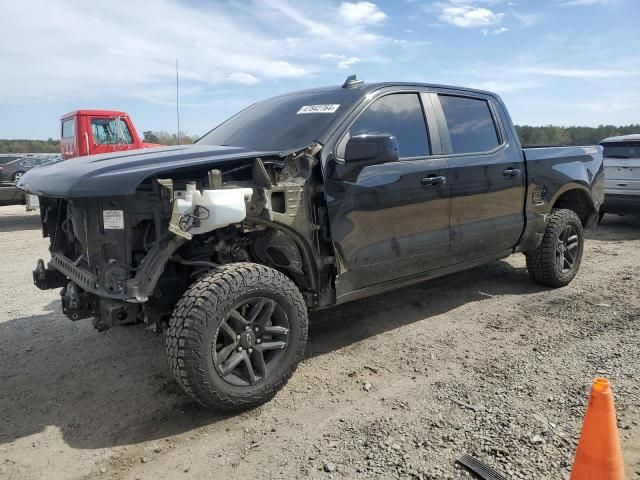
column 577, row 198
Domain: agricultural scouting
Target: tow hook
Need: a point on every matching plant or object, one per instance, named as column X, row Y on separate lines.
column 46, row 279
column 77, row 304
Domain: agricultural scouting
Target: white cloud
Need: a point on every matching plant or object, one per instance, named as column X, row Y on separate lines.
column 342, row 62
column 469, row 16
column 496, row 31
column 581, row 3
column 585, row 73
column 243, row 78
column 361, row 13
column 92, row 51
column 526, row 19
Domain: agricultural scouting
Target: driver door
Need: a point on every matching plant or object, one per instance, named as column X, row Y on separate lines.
column 390, row 220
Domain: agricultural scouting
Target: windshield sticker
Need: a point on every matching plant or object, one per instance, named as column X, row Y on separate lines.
column 331, row 108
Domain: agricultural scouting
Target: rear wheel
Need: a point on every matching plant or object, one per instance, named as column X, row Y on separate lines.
column 557, row 259
column 236, row 336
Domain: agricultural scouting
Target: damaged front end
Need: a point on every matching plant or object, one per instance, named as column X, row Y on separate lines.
column 128, row 258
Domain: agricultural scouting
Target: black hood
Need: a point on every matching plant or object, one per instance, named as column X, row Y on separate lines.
column 120, row 173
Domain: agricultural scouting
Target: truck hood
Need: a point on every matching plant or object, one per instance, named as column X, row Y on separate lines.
column 120, row 173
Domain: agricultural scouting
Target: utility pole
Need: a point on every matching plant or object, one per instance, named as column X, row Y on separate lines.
column 177, row 102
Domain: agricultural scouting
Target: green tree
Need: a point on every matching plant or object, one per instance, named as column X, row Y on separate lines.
column 150, row 137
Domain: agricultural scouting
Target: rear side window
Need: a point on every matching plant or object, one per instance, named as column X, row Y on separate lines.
column 69, row 128
column 400, row 115
column 470, row 123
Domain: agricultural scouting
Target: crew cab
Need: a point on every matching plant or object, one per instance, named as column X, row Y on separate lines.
column 91, row 132
column 304, row 201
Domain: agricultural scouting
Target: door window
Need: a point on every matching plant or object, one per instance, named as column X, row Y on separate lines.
column 110, row 131
column 68, row 128
column 400, row 115
column 470, row 123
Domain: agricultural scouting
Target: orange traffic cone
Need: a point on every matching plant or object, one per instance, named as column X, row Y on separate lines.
column 599, row 456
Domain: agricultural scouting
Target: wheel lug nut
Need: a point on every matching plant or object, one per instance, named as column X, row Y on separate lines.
column 247, row 327
column 255, row 329
column 258, row 340
column 239, row 349
column 250, row 350
column 237, row 337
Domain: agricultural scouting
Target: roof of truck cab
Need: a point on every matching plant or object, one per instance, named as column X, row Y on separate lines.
column 366, row 88
column 115, row 113
column 634, row 137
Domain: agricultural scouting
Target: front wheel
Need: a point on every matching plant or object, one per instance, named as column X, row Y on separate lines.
column 236, row 336
column 557, row 259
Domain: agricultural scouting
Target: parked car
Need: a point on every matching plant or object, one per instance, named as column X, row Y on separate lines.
column 304, row 201
column 622, row 174
column 8, row 157
column 13, row 170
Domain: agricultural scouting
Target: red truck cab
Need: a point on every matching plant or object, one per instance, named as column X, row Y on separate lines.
column 91, row 132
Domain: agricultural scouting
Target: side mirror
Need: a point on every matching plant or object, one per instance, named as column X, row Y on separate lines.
column 371, row 149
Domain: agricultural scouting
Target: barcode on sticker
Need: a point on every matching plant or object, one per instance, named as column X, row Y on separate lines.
column 113, row 219
column 330, row 108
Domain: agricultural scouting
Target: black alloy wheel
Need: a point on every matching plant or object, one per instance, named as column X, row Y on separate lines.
column 566, row 253
column 250, row 341
column 237, row 335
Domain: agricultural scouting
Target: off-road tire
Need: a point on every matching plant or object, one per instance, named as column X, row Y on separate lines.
column 542, row 263
column 198, row 315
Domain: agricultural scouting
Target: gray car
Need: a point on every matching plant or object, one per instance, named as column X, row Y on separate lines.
column 11, row 171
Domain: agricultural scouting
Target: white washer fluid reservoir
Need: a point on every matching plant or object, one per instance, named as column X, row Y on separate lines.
column 220, row 207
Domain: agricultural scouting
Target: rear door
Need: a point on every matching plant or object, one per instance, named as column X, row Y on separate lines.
column 391, row 220
column 486, row 175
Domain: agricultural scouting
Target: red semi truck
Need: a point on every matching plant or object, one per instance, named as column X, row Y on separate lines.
column 91, row 132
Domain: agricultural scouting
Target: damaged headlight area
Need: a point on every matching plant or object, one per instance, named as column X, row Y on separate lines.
column 129, row 258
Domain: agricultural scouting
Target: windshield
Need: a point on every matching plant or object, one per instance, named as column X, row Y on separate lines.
column 288, row 122
column 622, row 150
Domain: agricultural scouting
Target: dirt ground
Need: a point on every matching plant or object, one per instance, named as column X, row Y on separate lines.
column 396, row 386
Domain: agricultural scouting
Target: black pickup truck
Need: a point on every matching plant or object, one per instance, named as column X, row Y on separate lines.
column 304, row 201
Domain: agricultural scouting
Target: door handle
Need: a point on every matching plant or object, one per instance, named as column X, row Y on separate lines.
column 433, row 181
column 512, row 172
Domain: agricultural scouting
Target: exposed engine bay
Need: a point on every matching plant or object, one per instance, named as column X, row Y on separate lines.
column 126, row 259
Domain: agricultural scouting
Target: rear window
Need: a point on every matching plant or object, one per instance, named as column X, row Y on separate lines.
column 470, row 123
column 69, row 128
column 622, row 150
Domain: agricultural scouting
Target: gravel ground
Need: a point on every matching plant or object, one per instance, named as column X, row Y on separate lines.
column 396, row 386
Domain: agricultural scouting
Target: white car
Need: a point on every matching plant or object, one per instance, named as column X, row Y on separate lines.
column 622, row 174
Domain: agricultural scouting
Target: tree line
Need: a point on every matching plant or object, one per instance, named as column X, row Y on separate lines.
column 30, row 146
column 543, row 135
column 554, row 135
column 165, row 138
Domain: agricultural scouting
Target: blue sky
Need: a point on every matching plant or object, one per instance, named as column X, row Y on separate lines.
column 553, row 61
